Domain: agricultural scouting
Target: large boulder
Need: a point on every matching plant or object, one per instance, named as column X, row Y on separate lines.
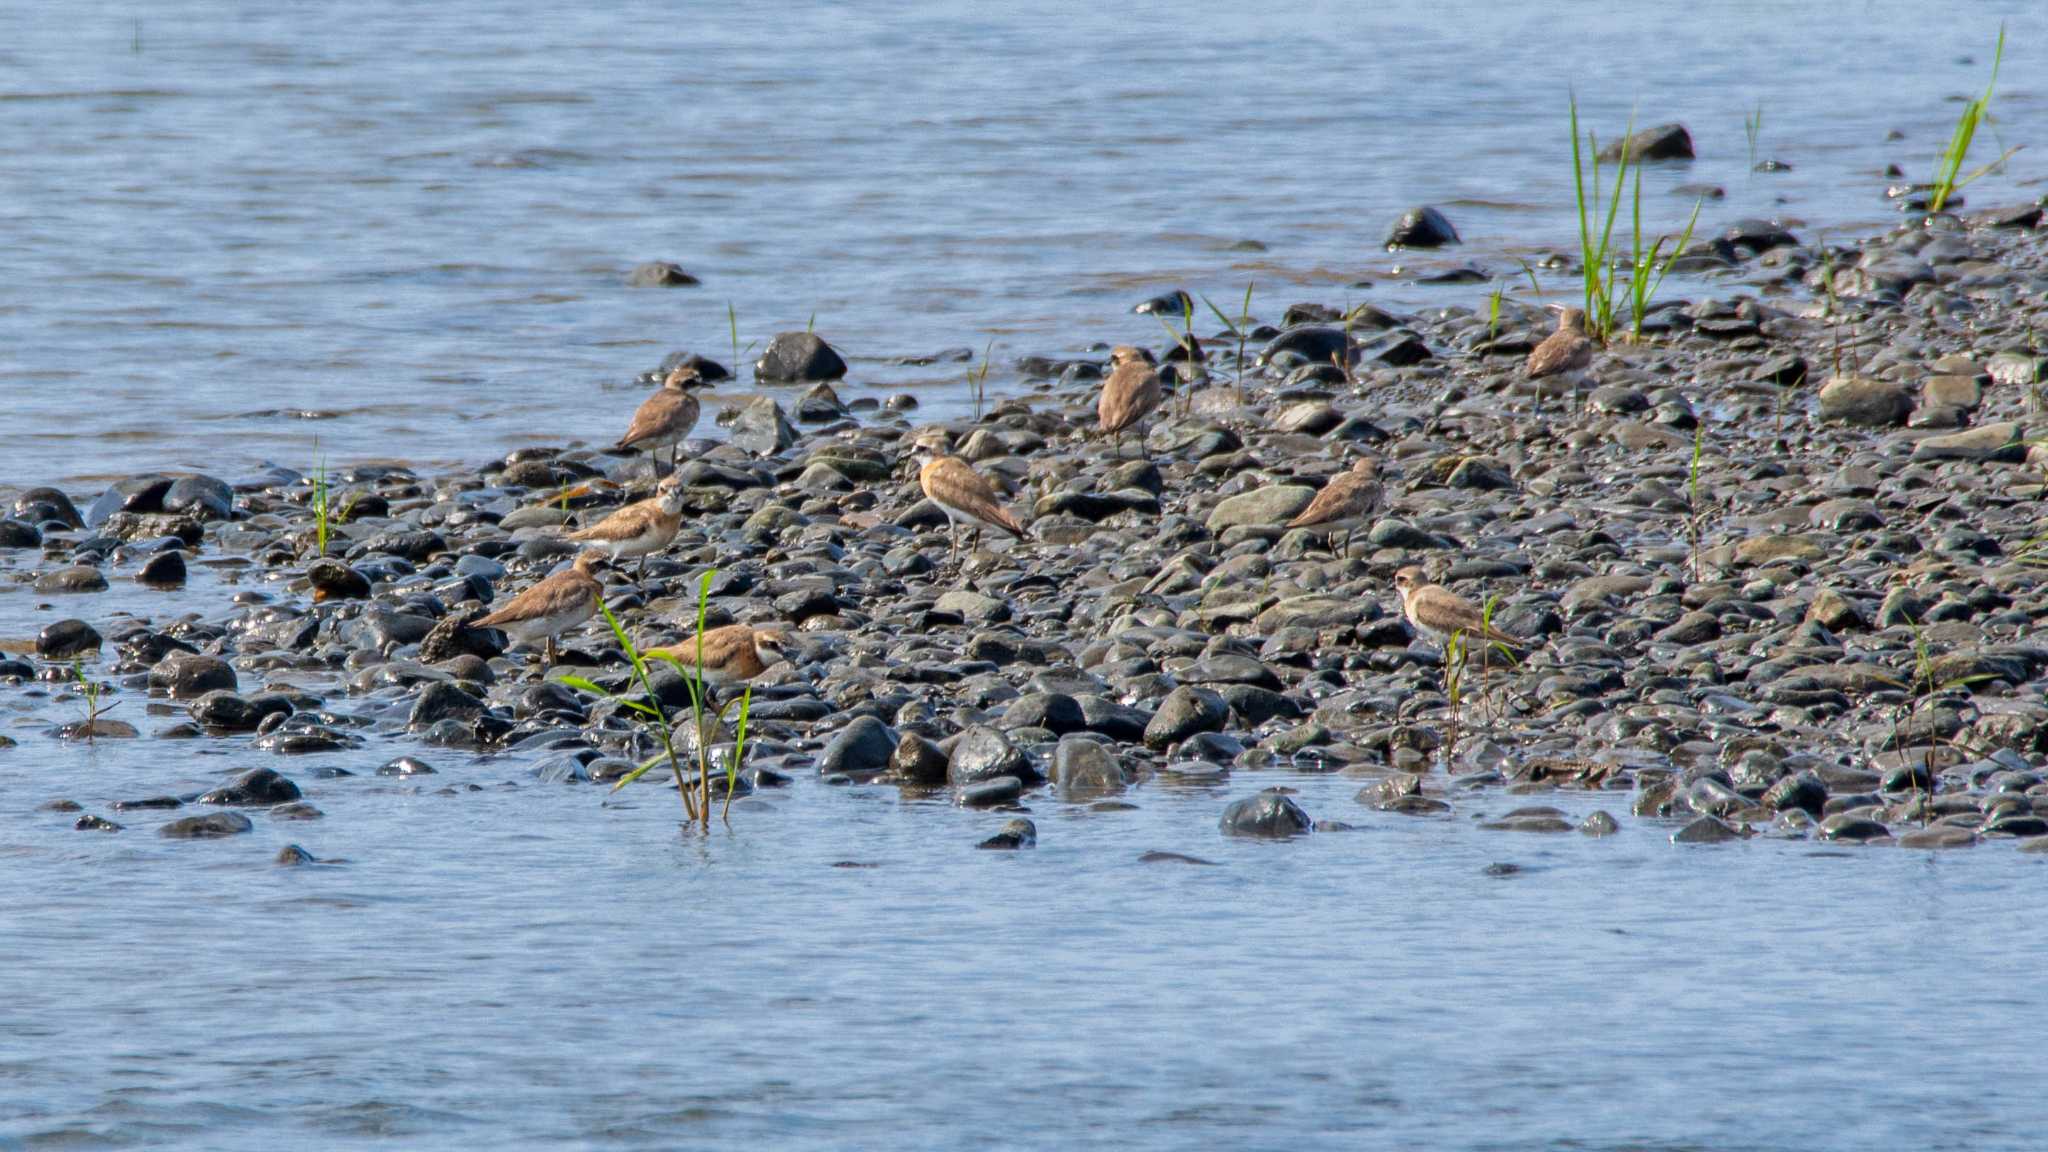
column 1422, row 227
column 798, row 358
column 1270, row 815
column 1662, row 142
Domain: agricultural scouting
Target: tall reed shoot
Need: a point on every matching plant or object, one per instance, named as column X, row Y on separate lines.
column 322, row 499
column 705, row 720
column 1948, row 172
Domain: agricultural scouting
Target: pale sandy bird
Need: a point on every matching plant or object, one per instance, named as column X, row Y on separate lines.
column 1348, row 498
column 731, row 655
column 664, row 419
column 1130, row 394
column 553, row 606
column 966, row 497
column 641, row 528
column 1566, row 353
column 1438, row 613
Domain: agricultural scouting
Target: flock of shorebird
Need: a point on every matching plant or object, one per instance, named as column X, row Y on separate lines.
column 1130, row 394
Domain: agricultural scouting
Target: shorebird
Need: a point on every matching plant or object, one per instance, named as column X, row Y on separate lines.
column 732, row 654
column 665, row 418
column 1438, row 613
column 1567, row 352
column 1130, row 394
column 548, row 609
column 965, row 496
column 640, row 528
column 1348, row 497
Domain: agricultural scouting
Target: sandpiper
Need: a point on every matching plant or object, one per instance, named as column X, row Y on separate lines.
column 1566, row 353
column 1130, row 394
column 1348, row 498
column 665, row 418
column 732, row 654
column 641, row 528
column 965, row 496
column 553, row 606
column 1438, row 613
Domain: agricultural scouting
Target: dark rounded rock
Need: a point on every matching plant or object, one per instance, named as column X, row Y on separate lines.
column 72, row 578
column 860, row 750
column 90, row 823
column 1661, row 142
column 163, row 570
column 17, row 534
column 334, row 580
column 293, row 856
column 1184, row 712
column 212, row 826
column 1599, row 824
column 1705, row 830
column 1852, row 827
column 1270, row 814
column 258, row 786
column 297, row 810
column 150, row 802
column 1174, row 303
column 405, row 766
column 1313, row 345
column 443, row 700
column 188, row 675
column 1422, row 227
column 66, row 639
column 201, row 496
column 1804, row 791
column 991, row 792
column 760, row 428
column 224, row 710
column 1055, row 712
column 798, row 358
column 139, row 494
column 660, row 274
column 1083, row 767
column 917, row 761
column 41, row 504
column 983, row 753
column 1018, row 833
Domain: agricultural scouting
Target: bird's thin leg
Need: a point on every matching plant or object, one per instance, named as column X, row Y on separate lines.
column 547, row 658
column 952, row 542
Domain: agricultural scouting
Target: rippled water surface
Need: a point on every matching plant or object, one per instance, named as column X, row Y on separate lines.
column 415, row 223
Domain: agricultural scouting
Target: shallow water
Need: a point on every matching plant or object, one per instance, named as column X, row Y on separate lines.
column 416, row 224
column 419, row 221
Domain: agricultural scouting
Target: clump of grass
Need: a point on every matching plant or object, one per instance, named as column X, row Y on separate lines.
column 732, row 326
column 1948, row 171
column 92, row 692
column 322, row 513
column 1493, row 299
column 1237, row 328
column 1753, row 128
column 977, row 380
column 1920, row 695
column 705, row 720
column 811, row 325
column 1597, row 257
column 1189, row 346
column 1456, row 655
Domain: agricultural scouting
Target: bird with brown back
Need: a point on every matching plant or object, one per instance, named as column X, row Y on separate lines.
column 1348, row 498
column 1439, row 613
column 641, row 528
column 1131, row 393
column 966, row 497
column 666, row 418
column 1566, row 353
column 556, row 604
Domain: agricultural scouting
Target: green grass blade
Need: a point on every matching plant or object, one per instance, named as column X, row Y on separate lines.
column 583, row 685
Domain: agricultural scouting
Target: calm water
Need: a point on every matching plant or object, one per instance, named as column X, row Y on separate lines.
column 417, row 220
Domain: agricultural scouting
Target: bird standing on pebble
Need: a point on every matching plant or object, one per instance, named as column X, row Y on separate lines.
column 1565, row 353
column 553, row 606
column 1130, row 394
column 966, row 497
column 1348, row 498
column 731, row 655
column 664, row 419
column 1439, row 613
column 641, row 528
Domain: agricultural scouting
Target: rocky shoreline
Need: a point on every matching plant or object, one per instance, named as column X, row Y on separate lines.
column 1821, row 626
